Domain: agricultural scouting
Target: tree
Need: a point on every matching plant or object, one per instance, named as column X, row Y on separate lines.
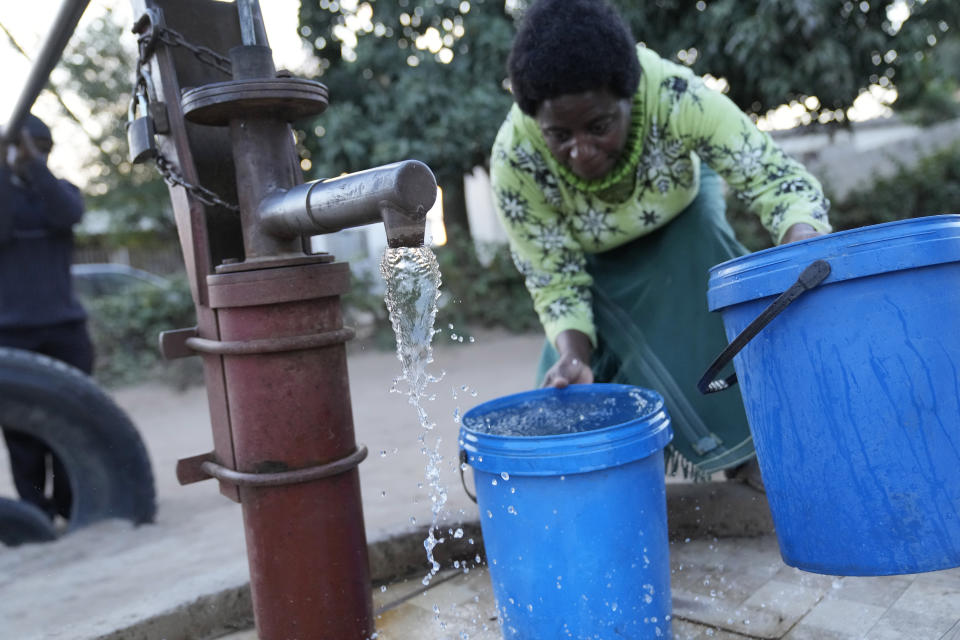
column 773, row 52
column 99, row 70
column 426, row 78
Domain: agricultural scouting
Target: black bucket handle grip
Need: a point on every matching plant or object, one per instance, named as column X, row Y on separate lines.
column 463, row 481
column 815, row 273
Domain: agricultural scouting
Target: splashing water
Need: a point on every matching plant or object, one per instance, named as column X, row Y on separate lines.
column 412, row 279
column 556, row 415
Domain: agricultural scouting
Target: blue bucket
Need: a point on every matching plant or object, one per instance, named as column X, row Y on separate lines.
column 853, row 393
column 570, row 488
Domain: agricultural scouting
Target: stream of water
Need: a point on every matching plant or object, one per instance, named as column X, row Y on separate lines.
column 412, row 279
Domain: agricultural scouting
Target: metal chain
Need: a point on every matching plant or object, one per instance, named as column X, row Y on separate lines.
column 204, row 195
column 204, row 54
column 209, row 57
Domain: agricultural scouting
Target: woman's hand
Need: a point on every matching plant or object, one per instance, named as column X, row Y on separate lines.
column 800, row 231
column 573, row 367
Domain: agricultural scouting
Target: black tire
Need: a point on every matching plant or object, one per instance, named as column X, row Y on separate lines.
column 104, row 457
column 22, row 522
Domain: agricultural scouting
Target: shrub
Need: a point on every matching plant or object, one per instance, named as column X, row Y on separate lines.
column 930, row 187
column 486, row 296
column 125, row 329
column 473, row 295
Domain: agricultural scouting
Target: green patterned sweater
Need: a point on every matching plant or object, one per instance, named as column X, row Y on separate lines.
column 552, row 217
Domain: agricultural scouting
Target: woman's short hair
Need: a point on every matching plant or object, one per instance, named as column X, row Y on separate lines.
column 571, row 46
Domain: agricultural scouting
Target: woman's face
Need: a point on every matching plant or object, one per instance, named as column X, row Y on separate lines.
column 586, row 132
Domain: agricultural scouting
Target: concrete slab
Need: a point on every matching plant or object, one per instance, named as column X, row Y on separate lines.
column 712, row 605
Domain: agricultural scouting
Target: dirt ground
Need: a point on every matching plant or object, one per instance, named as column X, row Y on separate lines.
column 175, row 424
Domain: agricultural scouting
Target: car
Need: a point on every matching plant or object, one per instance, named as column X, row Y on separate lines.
column 95, row 280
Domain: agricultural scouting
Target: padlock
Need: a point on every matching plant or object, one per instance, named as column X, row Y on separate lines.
column 141, row 143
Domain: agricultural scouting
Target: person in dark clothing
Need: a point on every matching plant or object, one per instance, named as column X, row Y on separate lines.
column 38, row 309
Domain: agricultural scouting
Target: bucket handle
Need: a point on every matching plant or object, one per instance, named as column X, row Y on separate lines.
column 463, row 480
column 814, row 274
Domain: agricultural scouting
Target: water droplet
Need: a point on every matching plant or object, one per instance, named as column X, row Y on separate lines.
column 413, row 520
column 504, row 475
column 494, row 482
column 383, row 453
column 489, row 513
column 458, row 533
column 383, row 589
column 511, row 510
column 530, row 608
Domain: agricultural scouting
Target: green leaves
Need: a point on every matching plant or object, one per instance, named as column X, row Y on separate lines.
column 383, row 109
column 98, row 69
column 771, row 52
column 125, row 329
column 473, row 294
column 929, row 187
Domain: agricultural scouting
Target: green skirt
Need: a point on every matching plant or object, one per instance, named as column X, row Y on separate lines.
column 654, row 330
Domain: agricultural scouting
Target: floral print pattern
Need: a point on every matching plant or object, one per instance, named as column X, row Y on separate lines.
column 552, row 220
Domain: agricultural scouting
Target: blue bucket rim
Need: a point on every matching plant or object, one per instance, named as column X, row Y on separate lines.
column 852, row 253
column 567, row 453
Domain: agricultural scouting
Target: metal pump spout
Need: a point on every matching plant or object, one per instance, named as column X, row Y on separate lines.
column 398, row 194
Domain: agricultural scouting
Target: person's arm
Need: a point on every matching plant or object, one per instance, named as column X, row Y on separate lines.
column 551, row 261
column 773, row 185
column 6, row 216
column 62, row 202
